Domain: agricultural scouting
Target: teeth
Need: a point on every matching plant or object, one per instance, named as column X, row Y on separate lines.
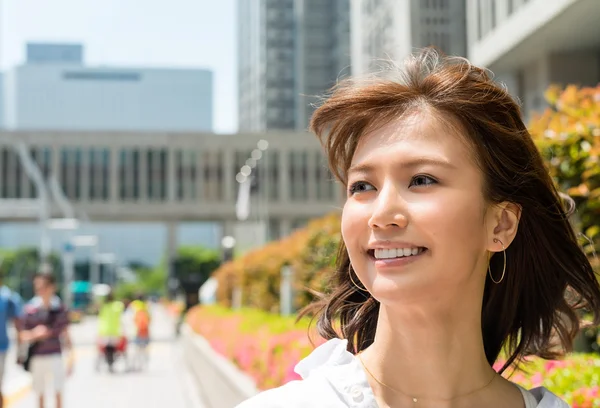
column 396, row 253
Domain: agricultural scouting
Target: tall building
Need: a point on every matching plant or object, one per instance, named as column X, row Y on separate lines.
column 55, row 90
column 393, row 29
column 531, row 44
column 1, row 100
column 290, row 51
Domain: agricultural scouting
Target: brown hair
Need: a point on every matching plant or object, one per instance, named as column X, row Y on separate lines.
column 548, row 276
column 48, row 278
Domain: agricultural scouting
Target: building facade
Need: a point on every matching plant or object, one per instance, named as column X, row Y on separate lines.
column 137, row 179
column 393, row 29
column 531, row 44
column 54, row 90
column 1, row 100
column 290, row 51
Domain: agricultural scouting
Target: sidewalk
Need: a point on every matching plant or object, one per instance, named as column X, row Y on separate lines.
column 165, row 383
column 17, row 382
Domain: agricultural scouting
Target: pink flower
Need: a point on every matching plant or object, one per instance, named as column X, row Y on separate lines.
column 537, row 379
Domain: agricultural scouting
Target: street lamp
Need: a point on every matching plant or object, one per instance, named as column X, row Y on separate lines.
column 228, row 243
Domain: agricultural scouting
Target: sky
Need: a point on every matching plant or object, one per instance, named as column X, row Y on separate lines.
column 148, row 33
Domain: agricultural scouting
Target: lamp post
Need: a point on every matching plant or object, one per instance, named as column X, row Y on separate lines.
column 67, row 254
column 246, row 179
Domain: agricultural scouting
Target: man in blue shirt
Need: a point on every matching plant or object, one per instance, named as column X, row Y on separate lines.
column 10, row 311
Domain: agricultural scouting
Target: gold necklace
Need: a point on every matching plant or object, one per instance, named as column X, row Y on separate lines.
column 415, row 399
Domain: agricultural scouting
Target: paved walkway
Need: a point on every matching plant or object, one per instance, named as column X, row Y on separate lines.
column 163, row 384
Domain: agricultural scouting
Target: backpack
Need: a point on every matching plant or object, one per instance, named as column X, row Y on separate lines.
column 142, row 323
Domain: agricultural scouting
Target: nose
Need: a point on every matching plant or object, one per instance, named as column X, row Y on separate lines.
column 389, row 209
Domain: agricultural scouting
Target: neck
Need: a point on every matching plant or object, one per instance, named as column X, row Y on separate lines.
column 46, row 300
column 429, row 355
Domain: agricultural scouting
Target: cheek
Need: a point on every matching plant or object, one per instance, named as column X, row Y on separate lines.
column 354, row 224
column 453, row 220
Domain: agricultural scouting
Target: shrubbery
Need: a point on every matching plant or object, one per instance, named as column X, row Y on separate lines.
column 267, row 347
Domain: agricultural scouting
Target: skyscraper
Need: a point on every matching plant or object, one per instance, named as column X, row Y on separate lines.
column 289, row 52
column 393, row 29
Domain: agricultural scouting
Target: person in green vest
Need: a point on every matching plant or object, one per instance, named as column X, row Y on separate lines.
column 110, row 329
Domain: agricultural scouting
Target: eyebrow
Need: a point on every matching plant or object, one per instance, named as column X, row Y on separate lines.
column 412, row 163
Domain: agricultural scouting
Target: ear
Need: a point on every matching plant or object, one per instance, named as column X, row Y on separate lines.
column 503, row 225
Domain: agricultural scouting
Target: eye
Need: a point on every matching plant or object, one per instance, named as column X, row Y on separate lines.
column 360, row 187
column 422, row 180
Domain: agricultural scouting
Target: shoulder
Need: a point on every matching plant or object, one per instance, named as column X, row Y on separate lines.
column 541, row 397
column 331, row 378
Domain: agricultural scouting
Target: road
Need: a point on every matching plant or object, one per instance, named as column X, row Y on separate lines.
column 163, row 384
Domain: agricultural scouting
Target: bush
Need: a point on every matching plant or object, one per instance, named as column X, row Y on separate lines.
column 263, row 345
column 267, row 347
column 568, row 137
column 310, row 251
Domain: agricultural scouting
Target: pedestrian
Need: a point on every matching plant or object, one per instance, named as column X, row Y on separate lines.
column 456, row 246
column 10, row 311
column 45, row 328
column 139, row 317
column 110, row 330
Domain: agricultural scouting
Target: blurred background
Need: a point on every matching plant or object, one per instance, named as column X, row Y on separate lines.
column 162, row 148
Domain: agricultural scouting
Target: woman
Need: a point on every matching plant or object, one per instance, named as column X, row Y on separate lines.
column 456, row 246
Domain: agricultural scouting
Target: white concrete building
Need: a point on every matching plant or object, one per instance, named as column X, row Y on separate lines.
column 54, row 90
column 142, row 190
column 393, row 29
column 531, row 44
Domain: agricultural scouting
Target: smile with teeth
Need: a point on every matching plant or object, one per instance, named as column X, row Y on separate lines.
column 395, row 252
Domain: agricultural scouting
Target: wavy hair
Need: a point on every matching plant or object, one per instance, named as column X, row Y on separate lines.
column 549, row 277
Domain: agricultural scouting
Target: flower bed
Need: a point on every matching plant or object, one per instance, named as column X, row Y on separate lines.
column 267, row 347
column 575, row 379
column 263, row 345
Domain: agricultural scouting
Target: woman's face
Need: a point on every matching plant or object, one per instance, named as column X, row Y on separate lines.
column 414, row 222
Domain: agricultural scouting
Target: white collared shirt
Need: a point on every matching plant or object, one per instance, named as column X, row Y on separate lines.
column 332, row 377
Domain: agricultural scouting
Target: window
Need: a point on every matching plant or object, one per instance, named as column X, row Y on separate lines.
column 98, row 170
column 101, row 76
column 157, row 174
column 185, row 174
column 299, row 175
column 129, row 173
column 213, row 176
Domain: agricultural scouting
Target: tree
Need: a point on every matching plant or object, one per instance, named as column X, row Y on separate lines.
column 18, row 267
column 568, row 136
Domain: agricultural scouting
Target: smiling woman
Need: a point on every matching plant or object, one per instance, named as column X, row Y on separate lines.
column 456, row 245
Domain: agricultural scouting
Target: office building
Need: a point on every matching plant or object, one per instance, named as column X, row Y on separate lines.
column 531, row 44
column 290, row 52
column 53, row 89
column 1, row 100
column 393, row 29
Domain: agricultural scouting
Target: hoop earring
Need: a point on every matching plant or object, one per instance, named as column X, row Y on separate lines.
column 352, row 279
column 503, row 269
